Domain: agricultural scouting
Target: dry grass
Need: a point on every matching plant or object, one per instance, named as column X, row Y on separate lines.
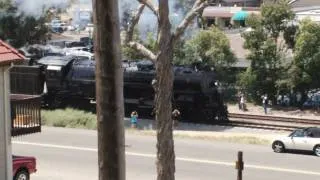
column 69, row 118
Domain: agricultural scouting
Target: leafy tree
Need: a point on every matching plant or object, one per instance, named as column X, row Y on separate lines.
column 247, row 80
column 4, row 4
column 266, row 55
column 289, row 35
column 275, row 16
column 151, row 42
column 305, row 68
column 211, row 47
column 265, row 66
column 128, row 52
column 20, row 30
column 179, row 52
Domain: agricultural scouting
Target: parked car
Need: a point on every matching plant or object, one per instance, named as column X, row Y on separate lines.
column 80, row 54
column 57, row 26
column 23, row 166
column 89, row 28
column 303, row 139
column 71, row 28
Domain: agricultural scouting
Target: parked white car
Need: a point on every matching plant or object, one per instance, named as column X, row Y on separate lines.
column 89, row 28
column 79, row 53
column 71, row 28
column 304, row 139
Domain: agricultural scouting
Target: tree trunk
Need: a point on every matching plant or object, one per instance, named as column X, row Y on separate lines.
column 165, row 144
column 164, row 77
column 109, row 88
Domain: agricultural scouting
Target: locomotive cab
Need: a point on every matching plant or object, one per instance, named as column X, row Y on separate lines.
column 55, row 69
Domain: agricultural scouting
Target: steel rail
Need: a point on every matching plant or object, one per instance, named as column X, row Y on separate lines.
column 268, row 122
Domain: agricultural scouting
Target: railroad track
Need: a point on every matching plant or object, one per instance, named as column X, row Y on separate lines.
column 269, row 122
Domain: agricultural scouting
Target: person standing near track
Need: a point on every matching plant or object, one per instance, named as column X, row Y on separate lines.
column 176, row 117
column 134, row 119
column 242, row 105
column 265, row 102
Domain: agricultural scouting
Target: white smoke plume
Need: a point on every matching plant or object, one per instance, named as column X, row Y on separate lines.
column 37, row 7
column 148, row 22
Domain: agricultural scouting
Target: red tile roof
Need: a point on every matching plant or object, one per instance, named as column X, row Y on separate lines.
column 8, row 54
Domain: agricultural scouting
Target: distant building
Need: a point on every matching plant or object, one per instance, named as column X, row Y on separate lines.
column 312, row 12
column 243, row 3
column 81, row 14
column 227, row 17
column 307, row 8
column 305, row 3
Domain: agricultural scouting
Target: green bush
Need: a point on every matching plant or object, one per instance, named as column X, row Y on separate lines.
column 70, row 118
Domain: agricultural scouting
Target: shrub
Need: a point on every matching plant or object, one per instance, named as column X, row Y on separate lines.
column 70, row 118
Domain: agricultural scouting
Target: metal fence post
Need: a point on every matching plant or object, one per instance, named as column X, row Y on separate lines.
column 239, row 165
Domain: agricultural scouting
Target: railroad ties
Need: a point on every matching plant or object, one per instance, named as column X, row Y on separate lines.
column 269, row 122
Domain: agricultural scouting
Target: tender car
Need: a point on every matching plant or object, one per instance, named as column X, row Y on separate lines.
column 23, row 166
column 302, row 139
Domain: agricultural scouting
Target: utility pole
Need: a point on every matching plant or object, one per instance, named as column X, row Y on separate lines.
column 109, row 90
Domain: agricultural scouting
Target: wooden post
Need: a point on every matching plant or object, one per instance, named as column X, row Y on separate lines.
column 109, row 90
column 5, row 126
column 239, row 165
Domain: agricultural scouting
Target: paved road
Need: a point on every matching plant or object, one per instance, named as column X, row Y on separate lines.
column 71, row 154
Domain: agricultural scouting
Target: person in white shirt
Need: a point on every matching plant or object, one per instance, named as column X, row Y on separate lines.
column 265, row 103
column 242, row 102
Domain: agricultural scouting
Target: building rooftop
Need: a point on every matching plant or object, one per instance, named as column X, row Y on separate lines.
column 9, row 55
column 306, row 3
column 305, row 8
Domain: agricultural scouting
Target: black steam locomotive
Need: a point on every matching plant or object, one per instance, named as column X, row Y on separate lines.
column 69, row 79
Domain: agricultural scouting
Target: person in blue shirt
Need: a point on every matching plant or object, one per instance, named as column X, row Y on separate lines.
column 134, row 119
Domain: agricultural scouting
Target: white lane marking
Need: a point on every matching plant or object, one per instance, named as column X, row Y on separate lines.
column 55, row 146
column 296, row 171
